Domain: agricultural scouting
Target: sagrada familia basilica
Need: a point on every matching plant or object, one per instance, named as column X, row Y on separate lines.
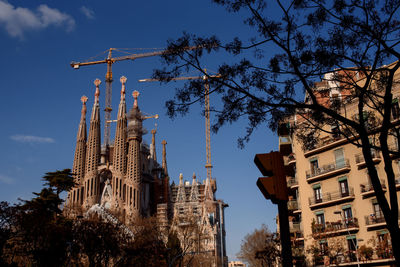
column 123, row 181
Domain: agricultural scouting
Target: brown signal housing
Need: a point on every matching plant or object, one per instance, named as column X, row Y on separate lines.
column 273, row 186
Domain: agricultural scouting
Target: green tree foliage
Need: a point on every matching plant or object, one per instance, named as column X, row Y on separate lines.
column 294, row 44
column 260, row 248
column 59, row 180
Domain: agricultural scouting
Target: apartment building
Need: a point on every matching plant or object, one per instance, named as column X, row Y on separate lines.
column 333, row 211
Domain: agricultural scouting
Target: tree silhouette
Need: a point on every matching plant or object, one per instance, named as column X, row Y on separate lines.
column 260, row 248
column 59, row 180
column 352, row 46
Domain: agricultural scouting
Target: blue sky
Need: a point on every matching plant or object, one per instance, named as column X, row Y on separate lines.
column 40, row 95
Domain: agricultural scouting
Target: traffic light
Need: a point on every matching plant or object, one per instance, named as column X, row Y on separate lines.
column 273, row 186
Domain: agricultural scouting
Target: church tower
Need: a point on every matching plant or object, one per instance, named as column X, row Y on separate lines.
column 133, row 181
column 119, row 155
column 78, row 169
column 93, row 153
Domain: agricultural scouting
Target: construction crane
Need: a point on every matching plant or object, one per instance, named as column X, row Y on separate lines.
column 206, row 113
column 109, row 78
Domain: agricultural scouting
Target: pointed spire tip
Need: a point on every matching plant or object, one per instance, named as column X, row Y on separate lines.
column 135, row 95
column 84, row 99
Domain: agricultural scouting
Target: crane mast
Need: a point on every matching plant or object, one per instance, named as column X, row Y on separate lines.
column 206, row 113
column 108, row 108
column 207, row 127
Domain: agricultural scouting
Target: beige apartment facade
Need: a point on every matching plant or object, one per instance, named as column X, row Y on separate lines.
column 333, row 211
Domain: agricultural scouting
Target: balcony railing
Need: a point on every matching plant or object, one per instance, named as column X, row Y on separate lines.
column 285, row 145
column 374, row 219
column 360, row 161
column 296, row 227
column 350, row 224
column 289, row 159
column 292, row 181
column 367, row 189
column 326, row 169
column 331, row 197
column 293, row 205
column 324, row 143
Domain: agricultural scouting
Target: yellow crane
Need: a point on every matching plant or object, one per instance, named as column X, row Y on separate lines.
column 109, row 78
column 206, row 112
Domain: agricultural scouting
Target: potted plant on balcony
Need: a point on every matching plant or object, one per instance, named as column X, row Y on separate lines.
column 365, row 252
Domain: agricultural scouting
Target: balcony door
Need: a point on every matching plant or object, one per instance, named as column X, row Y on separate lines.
column 318, row 194
column 348, row 215
column 339, row 158
column 314, row 166
column 344, row 188
column 377, row 211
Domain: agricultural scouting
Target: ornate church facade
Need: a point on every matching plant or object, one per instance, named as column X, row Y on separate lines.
column 124, row 181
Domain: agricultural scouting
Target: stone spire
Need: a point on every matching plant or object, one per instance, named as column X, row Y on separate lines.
column 164, row 158
column 194, row 192
column 135, row 132
column 180, row 195
column 91, row 182
column 153, row 145
column 119, row 157
column 93, row 144
column 80, row 150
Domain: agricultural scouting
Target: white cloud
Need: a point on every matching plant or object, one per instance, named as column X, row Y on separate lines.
column 89, row 13
column 5, row 179
column 18, row 20
column 31, row 139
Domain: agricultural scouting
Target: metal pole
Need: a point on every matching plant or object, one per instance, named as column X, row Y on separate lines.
column 348, row 232
column 287, row 260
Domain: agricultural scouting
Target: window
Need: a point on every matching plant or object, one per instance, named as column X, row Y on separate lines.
column 377, row 211
column 352, row 245
column 348, row 215
column 321, row 220
column 384, row 247
column 339, row 158
column 314, row 166
column 323, row 247
column 344, row 188
column 317, row 194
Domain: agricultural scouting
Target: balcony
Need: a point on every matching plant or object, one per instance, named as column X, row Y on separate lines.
column 375, row 221
column 296, row 229
column 293, row 205
column 331, row 198
column 367, row 190
column 327, row 170
column 326, row 143
column 289, row 159
column 285, row 145
column 360, row 161
column 346, row 226
column 292, row 182
column 395, row 148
